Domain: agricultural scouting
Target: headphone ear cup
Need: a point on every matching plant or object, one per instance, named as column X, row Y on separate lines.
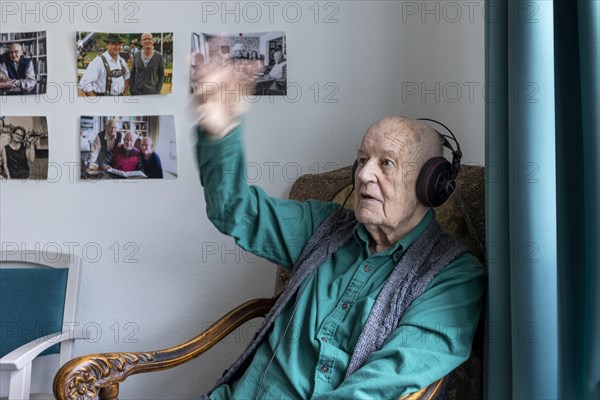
column 434, row 183
column 354, row 168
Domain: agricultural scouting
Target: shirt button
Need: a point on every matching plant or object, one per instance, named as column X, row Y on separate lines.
column 344, row 306
column 324, row 368
column 324, row 339
column 366, row 268
column 397, row 257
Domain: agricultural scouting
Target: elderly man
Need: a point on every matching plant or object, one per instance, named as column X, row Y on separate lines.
column 278, row 72
column 380, row 303
column 279, row 68
column 103, row 144
column 127, row 157
column 16, row 72
column 150, row 159
column 107, row 74
column 147, row 69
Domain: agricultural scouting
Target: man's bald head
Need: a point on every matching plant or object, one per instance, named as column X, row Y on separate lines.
column 418, row 140
column 392, row 152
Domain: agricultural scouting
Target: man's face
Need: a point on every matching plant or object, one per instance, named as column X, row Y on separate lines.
column 385, row 195
column 146, row 145
column 113, row 49
column 15, row 53
column 128, row 141
column 147, row 41
column 111, row 129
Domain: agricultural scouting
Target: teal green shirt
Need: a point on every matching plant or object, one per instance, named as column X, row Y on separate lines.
column 316, row 332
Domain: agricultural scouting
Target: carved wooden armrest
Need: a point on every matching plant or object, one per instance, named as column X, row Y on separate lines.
column 427, row 393
column 99, row 375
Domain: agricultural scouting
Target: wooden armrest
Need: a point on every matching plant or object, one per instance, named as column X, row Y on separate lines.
column 427, row 393
column 86, row 377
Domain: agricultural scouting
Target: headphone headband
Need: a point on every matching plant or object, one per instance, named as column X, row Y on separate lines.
column 456, row 153
column 444, row 136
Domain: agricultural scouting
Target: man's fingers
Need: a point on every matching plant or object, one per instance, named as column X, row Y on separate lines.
column 220, row 87
column 200, row 72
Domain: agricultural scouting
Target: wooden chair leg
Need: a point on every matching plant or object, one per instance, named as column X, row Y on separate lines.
column 109, row 393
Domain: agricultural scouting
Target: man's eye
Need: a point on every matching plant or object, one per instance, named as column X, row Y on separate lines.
column 362, row 160
column 387, row 163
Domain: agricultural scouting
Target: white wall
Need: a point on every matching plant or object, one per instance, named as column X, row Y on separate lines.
column 157, row 279
column 163, row 144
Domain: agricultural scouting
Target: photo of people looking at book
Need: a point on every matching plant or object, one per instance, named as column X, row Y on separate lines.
column 23, row 147
column 114, row 64
column 126, row 147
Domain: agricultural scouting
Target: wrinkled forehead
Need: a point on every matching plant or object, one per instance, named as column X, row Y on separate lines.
column 397, row 133
column 402, row 138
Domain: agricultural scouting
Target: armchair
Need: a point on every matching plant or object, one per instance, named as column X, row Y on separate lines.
column 38, row 295
column 463, row 215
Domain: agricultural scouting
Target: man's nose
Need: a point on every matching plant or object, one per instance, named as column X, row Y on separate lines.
column 366, row 172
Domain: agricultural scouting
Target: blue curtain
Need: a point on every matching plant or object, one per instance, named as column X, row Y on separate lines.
column 542, row 199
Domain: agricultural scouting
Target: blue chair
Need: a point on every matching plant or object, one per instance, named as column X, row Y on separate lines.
column 38, row 295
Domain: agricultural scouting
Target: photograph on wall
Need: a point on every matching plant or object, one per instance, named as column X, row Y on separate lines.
column 23, row 63
column 124, row 64
column 261, row 56
column 23, row 147
column 128, row 147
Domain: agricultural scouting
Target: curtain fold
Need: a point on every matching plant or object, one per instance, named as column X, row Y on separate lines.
column 542, row 204
column 498, row 378
column 589, row 15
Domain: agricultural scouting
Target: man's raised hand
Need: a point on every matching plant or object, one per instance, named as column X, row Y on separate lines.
column 221, row 93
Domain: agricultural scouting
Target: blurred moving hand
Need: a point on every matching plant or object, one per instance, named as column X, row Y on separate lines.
column 221, row 93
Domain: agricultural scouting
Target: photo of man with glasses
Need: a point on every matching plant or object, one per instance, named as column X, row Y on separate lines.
column 17, row 75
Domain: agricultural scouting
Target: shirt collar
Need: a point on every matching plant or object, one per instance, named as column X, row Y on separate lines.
column 362, row 235
column 109, row 58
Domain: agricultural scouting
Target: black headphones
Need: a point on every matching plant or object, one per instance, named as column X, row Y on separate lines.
column 436, row 180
